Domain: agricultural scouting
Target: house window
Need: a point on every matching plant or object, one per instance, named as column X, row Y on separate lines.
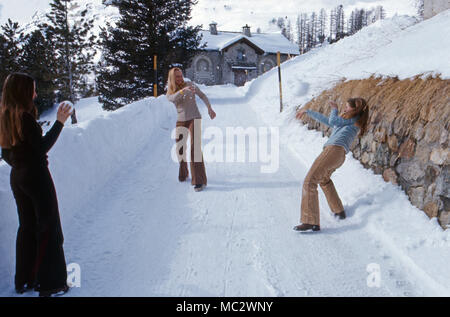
column 266, row 66
column 202, row 65
column 241, row 55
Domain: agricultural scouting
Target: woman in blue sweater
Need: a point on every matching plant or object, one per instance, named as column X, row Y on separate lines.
column 345, row 129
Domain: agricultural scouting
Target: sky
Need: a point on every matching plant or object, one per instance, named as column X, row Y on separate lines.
column 21, row 10
column 257, row 12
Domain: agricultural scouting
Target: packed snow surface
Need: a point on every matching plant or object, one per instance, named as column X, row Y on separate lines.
column 134, row 230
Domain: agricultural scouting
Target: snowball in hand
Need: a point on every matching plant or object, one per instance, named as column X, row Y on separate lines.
column 67, row 102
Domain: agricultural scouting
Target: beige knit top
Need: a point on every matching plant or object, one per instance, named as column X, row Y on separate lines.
column 185, row 102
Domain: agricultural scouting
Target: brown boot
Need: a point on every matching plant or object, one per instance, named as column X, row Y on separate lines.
column 199, row 187
column 340, row 215
column 306, row 227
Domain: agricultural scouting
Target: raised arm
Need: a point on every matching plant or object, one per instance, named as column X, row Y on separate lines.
column 318, row 117
column 33, row 135
column 337, row 121
column 49, row 139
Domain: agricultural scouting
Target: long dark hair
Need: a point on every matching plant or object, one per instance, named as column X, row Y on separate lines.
column 359, row 108
column 17, row 98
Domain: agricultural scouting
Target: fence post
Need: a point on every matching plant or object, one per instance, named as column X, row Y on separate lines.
column 155, row 84
column 279, row 80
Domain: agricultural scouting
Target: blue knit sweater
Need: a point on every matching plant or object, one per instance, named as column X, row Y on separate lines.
column 344, row 130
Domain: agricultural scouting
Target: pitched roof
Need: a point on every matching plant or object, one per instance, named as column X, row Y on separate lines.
column 268, row 42
column 245, row 39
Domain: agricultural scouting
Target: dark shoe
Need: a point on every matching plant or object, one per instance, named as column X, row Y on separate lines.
column 28, row 287
column 306, row 227
column 54, row 292
column 340, row 215
column 199, row 187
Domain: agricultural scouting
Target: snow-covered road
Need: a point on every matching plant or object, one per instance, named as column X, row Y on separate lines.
column 146, row 234
column 142, row 233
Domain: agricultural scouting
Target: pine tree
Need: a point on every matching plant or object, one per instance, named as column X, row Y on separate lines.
column 3, row 57
column 289, row 34
column 322, row 25
column 282, row 25
column 340, row 22
column 359, row 20
column 10, row 42
column 333, row 26
column 314, row 27
column 351, row 23
column 420, row 7
column 300, row 31
column 146, row 28
column 306, row 33
column 380, row 13
column 73, row 46
column 38, row 60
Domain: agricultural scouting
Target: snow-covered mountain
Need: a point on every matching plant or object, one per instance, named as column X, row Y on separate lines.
column 230, row 15
column 100, row 13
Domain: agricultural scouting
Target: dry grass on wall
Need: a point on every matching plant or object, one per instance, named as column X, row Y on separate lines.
column 407, row 138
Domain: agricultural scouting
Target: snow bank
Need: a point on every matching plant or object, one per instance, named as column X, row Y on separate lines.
column 419, row 49
column 87, row 155
column 86, row 110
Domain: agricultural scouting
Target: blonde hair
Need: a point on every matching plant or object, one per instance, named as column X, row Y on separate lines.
column 172, row 86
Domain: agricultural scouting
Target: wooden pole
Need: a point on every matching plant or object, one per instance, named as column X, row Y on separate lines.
column 155, row 69
column 279, row 80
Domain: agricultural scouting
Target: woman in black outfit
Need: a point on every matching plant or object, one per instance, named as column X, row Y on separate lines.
column 40, row 261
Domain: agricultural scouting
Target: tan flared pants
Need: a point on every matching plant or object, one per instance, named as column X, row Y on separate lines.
column 183, row 129
column 331, row 158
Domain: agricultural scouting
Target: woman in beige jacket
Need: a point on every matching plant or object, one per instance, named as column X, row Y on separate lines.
column 182, row 94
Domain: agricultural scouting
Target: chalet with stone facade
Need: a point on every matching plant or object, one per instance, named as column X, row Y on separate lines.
column 237, row 57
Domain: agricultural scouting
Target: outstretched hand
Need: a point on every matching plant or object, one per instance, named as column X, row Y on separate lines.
column 333, row 104
column 64, row 112
column 300, row 113
column 189, row 88
column 211, row 113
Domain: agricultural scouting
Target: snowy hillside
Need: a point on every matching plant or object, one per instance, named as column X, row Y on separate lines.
column 386, row 48
column 230, row 15
column 136, row 231
column 100, row 13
